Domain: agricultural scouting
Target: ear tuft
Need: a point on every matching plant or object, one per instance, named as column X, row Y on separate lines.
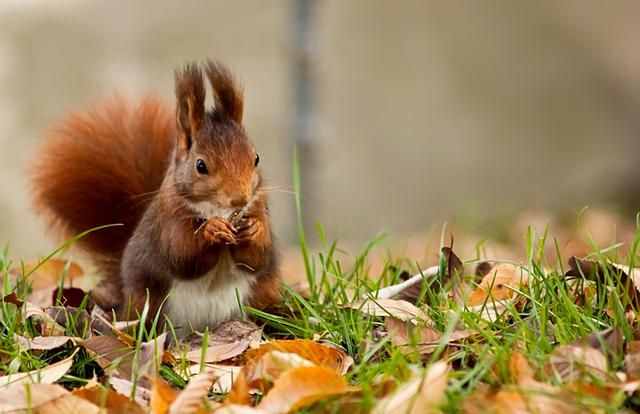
column 190, row 111
column 227, row 95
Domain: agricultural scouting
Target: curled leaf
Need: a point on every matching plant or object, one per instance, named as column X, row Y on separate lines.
column 301, row 387
column 422, row 394
column 192, row 398
column 47, row 375
column 399, row 309
column 228, row 340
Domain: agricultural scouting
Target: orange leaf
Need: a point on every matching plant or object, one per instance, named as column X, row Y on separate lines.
column 110, row 400
column 162, row 396
column 48, row 274
column 320, row 354
column 498, row 285
column 303, row 386
column 239, row 393
column 419, row 395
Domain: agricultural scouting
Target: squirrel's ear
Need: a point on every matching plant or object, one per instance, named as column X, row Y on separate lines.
column 190, row 111
column 227, row 96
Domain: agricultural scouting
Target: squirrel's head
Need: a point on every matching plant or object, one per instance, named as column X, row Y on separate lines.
column 215, row 163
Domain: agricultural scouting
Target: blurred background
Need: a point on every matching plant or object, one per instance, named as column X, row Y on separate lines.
column 406, row 114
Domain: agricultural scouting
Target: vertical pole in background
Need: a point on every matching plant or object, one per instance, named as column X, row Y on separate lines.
column 304, row 99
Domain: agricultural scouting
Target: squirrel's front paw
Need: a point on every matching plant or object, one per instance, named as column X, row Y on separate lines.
column 248, row 229
column 219, row 231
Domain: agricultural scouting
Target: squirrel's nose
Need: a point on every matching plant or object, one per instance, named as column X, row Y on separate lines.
column 239, row 201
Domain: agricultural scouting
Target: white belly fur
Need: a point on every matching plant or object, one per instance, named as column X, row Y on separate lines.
column 210, row 299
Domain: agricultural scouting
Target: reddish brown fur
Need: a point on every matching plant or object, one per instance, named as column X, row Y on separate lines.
column 135, row 165
column 102, row 167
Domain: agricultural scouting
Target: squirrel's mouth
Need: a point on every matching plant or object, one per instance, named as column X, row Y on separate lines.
column 208, row 209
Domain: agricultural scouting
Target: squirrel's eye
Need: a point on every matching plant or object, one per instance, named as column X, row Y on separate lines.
column 201, row 167
column 257, row 161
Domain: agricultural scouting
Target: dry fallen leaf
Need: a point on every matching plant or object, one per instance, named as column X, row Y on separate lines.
column 320, row 354
column 595, row 271
column 19, row 397
column 68, row 404
column 527, row 396
column 43, row 343
column 497, row 291
column 162, row 396
column 47, row 375
column 573, row 362
column 225, row 376
column 48, row 326
column 191, row 399
column 275, row 363
column 125, row 387
column 422, row 394
column 108, row 399
column 499, row 284
column 301, row 387
column 228, row 340
column 272, row 359
column 421, row 338
column 632, row 360
column 114, row 354
column 400, row 309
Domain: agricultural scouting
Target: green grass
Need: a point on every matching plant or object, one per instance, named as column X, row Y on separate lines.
column 550, row 318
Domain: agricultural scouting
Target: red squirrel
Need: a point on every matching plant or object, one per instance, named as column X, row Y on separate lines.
column 196, row 235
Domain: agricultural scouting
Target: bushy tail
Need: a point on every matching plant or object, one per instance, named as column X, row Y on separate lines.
column 103, row 167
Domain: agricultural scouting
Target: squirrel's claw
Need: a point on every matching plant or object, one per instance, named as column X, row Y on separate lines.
column 218, row 230
column 248, row 229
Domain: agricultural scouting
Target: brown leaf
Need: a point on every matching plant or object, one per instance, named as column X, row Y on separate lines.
column 421, row 338
column 620, row 275
column 68, row 404
column 114, row 354
column 574, row 362
column 422, row 394
column 400, row 309
column 162, row 396
column 409, row 338
column 43, row 343
column 301, row 387
column 109, row 349
column 453, row 271
column 108, row 399
column 225, row 376
column 12, row 298
column 228, row 340
column 499, row 285
column 125, row 387
column 74, row 319
column 520, row 369
column 70, row 296
column 47, row 325
column 263, row 366
column 632, row 360
column 47, row 375
column 18, row 397
column 191, row 399
column 240, row 391
column 497, row 291
column 319, row 354
column 531, row 396
column 275, row 363
column 610, row 341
